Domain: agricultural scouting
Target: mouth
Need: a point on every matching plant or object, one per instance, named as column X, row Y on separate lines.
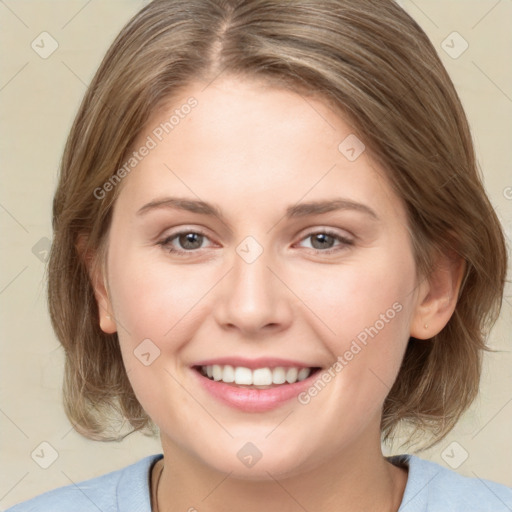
column 254, row 386
column 258, row 378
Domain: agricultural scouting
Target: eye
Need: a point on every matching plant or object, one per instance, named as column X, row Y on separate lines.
column 190, row 241
column 323, row 241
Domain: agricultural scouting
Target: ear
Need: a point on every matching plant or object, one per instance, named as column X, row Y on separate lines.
column 99, row 284
column 437, row 296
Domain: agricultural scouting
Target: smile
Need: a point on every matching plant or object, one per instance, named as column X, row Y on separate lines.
column 257, row 386
column 260, row 377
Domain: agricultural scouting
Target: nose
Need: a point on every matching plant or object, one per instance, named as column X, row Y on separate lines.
column 254, row 298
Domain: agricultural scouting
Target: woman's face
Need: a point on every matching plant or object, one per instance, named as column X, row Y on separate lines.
column 304, row 268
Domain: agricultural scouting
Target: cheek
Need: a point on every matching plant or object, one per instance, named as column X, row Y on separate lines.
column 154, row 299
column 353, row 295
column 154, row 304
column 367, row 307
column 369, row 310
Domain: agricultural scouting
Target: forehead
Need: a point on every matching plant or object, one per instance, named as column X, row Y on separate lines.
column 246, row 144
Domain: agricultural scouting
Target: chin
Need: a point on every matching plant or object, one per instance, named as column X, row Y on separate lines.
column 259, row 461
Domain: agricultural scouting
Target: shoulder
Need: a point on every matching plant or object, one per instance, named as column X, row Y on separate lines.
column 126, row 489
column 433, row 488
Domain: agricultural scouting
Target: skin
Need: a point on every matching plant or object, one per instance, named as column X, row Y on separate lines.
column 243, row 150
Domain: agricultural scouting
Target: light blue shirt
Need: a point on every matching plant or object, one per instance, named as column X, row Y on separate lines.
column 430, row 488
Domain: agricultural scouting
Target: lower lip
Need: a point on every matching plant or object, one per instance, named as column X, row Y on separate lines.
column 253, row 399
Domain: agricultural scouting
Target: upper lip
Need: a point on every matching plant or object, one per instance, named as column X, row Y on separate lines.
column 260, row 362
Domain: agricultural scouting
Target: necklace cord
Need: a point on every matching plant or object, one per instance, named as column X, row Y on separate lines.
column 155, row 504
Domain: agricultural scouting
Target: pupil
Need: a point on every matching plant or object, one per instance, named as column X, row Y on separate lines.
column 190, row 239
column 323, row 238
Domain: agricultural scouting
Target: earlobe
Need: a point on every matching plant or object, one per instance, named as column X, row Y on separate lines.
column 107, row 320
column 437, row 297
column 99, row 285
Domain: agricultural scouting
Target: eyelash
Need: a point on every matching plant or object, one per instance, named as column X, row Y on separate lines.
column 166, row 242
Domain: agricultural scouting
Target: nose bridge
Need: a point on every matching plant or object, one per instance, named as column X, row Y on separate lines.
column 253, row 298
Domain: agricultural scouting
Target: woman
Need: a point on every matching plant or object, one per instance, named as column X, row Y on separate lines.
column 272, row 244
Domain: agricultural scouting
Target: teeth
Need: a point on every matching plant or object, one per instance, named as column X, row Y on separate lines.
column 259, row 377
column 291, row 375
column 303, row 374
column 217, row 372
column 228, row 375
column 279, row 375
column 262, row 377
column 243, row 375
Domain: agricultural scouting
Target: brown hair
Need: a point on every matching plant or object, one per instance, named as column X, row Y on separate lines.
column 371, row 61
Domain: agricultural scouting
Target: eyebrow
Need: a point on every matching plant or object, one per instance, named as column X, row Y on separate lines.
column 294, row 211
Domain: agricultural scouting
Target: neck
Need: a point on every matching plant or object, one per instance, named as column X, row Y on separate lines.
column 351, row 481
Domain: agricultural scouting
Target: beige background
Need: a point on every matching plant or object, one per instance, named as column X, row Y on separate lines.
column 38, row 100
